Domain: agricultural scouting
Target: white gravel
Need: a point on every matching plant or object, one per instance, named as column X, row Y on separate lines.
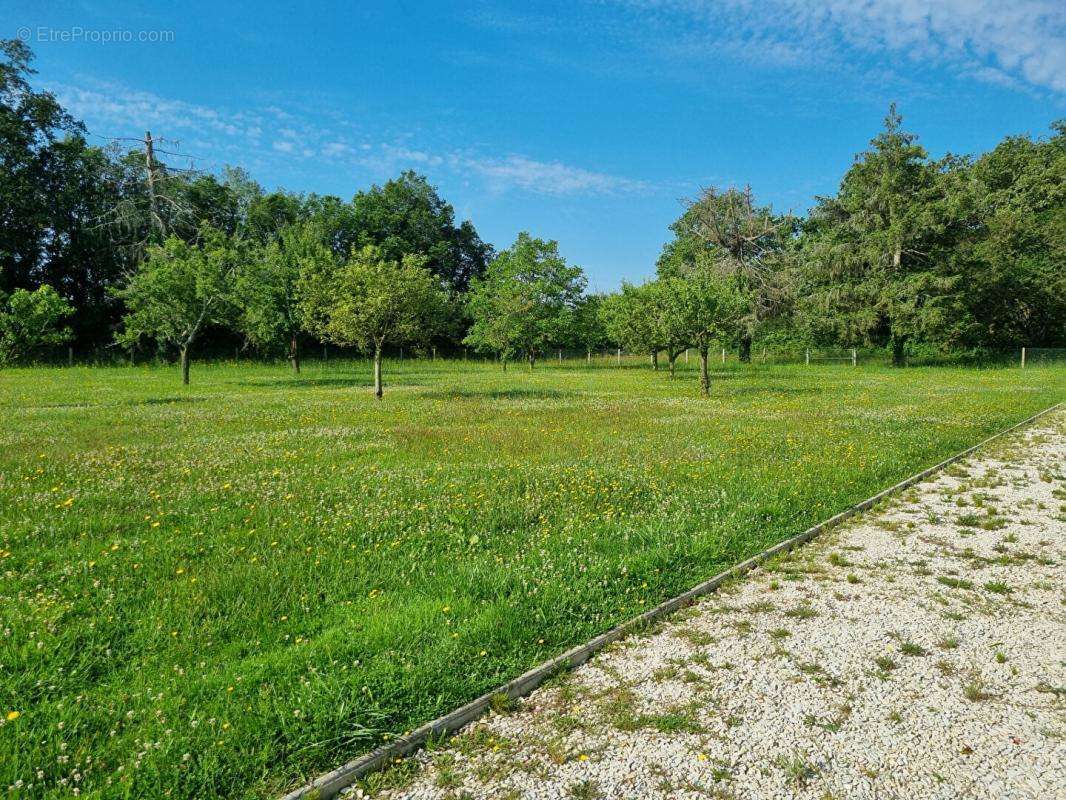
column 917, row 653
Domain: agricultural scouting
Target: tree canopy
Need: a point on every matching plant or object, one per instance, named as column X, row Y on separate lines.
column 526, row 301
column 369, row 301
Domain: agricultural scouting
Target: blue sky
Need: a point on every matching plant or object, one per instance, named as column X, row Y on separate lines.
column 585, row 122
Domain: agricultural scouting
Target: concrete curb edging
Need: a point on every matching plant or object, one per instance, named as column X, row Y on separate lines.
column 331, row 783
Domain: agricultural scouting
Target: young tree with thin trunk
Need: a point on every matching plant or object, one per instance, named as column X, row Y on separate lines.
column 633, row 319
column 29, row 320
column 702, row 308
column 267, row 290
column 587, row 329
column 371, row 301
column 746, row 242
column 525, row 302
column 180, row 289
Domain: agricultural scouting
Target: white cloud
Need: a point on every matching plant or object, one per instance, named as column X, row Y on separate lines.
column 546, row 177
column 235, row 138
column 1017, row 40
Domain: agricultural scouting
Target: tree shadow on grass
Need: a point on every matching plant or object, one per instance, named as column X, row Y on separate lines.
column 309, row 383
column 164, row 401
column 497, row 394
column 770, row 388
column 361, row 382
column 149, row 401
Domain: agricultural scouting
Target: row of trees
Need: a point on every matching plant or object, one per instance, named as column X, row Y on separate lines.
column 295, row 285
column 954, row 254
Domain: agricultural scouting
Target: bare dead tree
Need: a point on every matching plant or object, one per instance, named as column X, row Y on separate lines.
column 746, row 242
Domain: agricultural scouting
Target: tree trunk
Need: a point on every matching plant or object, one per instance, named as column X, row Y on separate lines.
column 745, row 348
column 504, row 361
column 672, row 358
column 532, row 357
column 185, row 364
column 705, row 375
column 898, row 357
column 377, row 372
column 655, row 360
column 294, row 355
column 588, row 356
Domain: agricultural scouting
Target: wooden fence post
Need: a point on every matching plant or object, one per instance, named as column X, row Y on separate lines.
column 723, row 355
column 807, row 358
column 1023, row 358
column 854, row 357
column 618, row 357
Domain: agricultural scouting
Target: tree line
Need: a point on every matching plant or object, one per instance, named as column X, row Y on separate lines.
column 105, row 246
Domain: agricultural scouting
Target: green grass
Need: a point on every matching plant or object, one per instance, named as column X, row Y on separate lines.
column 221, row 590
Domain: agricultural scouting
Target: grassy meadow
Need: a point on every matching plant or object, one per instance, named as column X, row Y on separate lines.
column 221, row 590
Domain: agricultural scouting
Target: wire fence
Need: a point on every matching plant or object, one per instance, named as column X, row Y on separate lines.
column 1042, row 356
column 602, row 357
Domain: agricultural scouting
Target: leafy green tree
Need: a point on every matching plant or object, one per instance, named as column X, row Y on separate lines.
column 700, row 308
column 29, row 320
column 587, row 330
column 526, row 300
column 1007, row 214
column 633, row 320
column 267, row 290
column 748, row 243
column 872, row 251
column 405, row 216
column 180, row 289
column 371, row 301
column 31, row 124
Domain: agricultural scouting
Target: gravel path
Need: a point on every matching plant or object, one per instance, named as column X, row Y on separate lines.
column 919, row 652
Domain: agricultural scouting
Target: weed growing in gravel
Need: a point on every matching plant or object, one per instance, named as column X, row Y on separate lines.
column 912, row 649
column 885, row 664
column 998, row 587
column 974, row 690
column 585, row 790
column 955, row 583
column 948, row 643
column 838, row 560
column 830, row 725
column 798, row 771
column 801, row 612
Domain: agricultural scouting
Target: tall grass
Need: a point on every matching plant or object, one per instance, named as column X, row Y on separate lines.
column 218, row 591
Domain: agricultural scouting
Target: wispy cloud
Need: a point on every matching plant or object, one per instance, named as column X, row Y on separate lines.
column 548, row 177
column 252, row 137
column 1019, row 43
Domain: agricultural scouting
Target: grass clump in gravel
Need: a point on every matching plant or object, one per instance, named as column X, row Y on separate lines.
column 912, row 649
column 954, row 583
column 998, row 587
column 585, row 790
column 885, row 664
column 975, row 690
column 798, row 771
column 802, row 611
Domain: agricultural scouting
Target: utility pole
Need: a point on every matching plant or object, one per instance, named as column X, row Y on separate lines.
column 149, row 161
